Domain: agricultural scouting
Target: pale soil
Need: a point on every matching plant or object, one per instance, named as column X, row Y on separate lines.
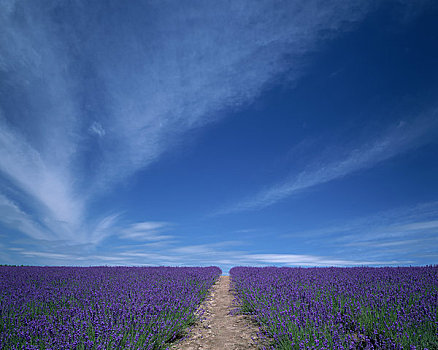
column 218, row 329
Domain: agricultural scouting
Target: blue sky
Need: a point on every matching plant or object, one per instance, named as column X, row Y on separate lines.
column 219, row 133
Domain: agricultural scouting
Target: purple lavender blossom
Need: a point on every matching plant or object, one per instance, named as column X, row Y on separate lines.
column 99, row 307
column 342, row 308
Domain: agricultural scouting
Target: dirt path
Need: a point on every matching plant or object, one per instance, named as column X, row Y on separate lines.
column 218, row 329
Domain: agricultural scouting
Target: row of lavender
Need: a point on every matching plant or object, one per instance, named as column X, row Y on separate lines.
column 98, row 307
column 342, row 308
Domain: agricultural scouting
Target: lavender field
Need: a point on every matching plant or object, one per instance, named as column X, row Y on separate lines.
column 342, row 308
column 99, row 307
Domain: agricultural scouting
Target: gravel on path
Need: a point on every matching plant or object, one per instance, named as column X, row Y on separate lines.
column 218, row 328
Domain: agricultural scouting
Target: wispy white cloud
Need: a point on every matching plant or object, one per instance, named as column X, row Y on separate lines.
column 202, row 249
column 164, row 83
column 413, row 243
column 15, row 249
column 404, row 136
column 223, row 253
column 105, row 227
column 311, row 260
column 97, row 129
column 142, row 90
column 398, row 229
column 146, row 231
column 48, row 184
column 184, row 79
column 396, row 221
column 409, row 233
column 38, row 123
column 47, row 255
column 195, row 255
column 87, row 112
column 15, row 218
column 417, row 226
column 39, row 119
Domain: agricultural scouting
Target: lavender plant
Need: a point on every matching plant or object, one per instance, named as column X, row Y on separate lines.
column 342, row 308
column 98, row 307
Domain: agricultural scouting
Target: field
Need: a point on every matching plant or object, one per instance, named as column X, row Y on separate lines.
column 98, row 307
column 342, row 308
column 150, row 307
